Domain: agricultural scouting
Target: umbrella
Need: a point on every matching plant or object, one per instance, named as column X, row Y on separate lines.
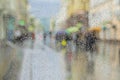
column 98, row 29
column 72, row 29
column 67, row 32
column 79, row 25
column 61, row 32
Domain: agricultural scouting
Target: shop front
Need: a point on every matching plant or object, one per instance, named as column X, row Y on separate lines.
column 78, row 18
column 9, row 24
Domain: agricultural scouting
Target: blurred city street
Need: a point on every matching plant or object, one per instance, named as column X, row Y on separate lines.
column 59, row 39
column 42, row 62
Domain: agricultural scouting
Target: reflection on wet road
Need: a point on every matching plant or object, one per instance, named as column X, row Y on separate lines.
column 102, row 64
column 10, row 62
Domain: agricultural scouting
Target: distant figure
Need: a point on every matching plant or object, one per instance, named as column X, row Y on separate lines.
column 79, row 40
column 18, row 33
column 50, row 34
column 57, row 38
column 44, row 36
column 33, row 36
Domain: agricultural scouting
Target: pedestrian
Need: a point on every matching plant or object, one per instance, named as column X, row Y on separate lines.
column 76, row 41
column 50, row 34
column 63, row 41
column 44, row 36
column 33, row 36
column 94, row 39
column 90, row 41
column 32, row 39
column 17, row 35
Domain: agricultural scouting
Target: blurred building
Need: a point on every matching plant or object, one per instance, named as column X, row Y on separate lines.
column 77, row 11
column 12, row 14
column 38, row 26
column 72, row 12
column 106, row 14
column 35, row 25
column 52, row 24
column 2, row 28
column 61, row 18
column 75, row 6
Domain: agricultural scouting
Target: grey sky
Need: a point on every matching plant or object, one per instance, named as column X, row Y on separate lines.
column 44, row 8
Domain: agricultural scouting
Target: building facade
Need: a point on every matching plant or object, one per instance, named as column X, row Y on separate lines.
column 105, row 14
column 77, row 11
column 72, row 12
column 11, row 11
column 60, row 20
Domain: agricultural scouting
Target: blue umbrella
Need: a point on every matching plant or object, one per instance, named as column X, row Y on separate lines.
column 61, row 32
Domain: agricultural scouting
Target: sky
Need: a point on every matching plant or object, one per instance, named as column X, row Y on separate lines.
column 44, row 10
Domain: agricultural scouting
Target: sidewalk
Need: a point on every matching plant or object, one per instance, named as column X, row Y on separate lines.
column 111, row 41
column 10, row 61
column 42, row 63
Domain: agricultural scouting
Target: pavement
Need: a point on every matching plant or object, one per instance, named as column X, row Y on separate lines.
column 42, row 63
column 36, row 61
column 10, row 62
column 101, row 64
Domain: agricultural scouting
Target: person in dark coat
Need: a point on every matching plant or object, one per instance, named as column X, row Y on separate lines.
column 90, row 41
column 44, row 37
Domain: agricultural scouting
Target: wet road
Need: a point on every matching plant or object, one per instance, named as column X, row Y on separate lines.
column 102, row 64
column 10, row 62
column 44, row 63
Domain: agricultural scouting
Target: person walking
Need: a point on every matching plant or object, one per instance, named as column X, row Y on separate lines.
column 17, row 35
column 90, row 41
column 44, row 37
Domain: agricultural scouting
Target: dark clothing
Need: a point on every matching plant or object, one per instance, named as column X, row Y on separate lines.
column 44, row 35
column 90, row 41
column 68, row 38
column 44, row 38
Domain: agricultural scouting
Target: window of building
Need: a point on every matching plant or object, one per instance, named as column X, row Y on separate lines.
column 116, row 2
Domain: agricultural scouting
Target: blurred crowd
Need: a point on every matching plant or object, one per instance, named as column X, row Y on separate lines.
column 86, row 40
column 22, row 34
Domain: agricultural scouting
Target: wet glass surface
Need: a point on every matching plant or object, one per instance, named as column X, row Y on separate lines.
column 10, row 63
column 59, row 40
column 102, row 64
